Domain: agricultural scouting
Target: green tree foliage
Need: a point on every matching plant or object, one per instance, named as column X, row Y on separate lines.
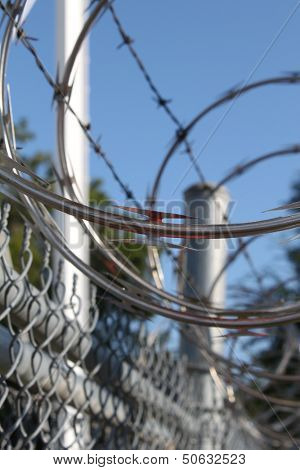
column 280, row 351
column 293, row 253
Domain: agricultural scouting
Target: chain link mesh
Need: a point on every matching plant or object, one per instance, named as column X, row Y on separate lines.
column 106, row 385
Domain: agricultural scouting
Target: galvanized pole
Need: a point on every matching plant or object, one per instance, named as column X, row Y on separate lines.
column 201, row 268
column 70, row 21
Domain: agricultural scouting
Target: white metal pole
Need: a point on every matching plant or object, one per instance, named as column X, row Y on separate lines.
column 201, row 268
column 70, row 20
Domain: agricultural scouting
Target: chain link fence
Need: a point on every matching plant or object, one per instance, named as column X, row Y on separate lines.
column 107, row 385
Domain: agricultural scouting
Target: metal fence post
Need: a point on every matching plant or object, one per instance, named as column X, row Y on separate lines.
column 201, row 268
column 70, row 21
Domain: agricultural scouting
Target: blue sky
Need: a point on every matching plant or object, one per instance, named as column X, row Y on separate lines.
column 194, row 50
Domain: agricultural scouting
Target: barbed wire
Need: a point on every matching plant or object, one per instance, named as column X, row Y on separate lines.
column 277, row 80
column 161, row 102
column 76, row 48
